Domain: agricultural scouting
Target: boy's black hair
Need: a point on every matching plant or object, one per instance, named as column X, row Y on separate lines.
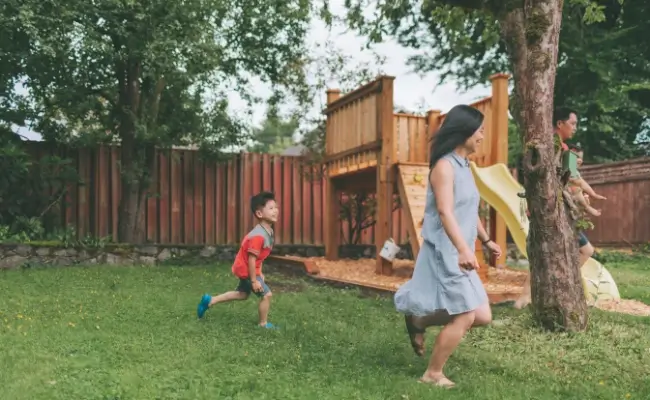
column 259, row 200
column 562, row 114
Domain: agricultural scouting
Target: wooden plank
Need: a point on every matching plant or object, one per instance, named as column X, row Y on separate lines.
column 199, row 199
column 188, row 197
column 276, row 163
column 209, row 206
column 267, row 173
column 151, row 218
column 103, row 199
column 307, row 229
column 232, row 233
column 286, row 200
column 296, row 179
column 116, row 183
column 83, row 217
column 221, row 220
column 245, row 184
column 318, row 195
column 164, row 215
column 176, row 197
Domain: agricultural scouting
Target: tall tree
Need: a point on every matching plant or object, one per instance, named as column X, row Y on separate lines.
column 528, row 32
column 150, row 74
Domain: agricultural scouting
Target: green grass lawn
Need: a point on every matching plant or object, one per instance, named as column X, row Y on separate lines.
column 132, row 333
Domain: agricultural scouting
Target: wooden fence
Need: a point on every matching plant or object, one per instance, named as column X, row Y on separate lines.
column 625, row 218
column 193, row 201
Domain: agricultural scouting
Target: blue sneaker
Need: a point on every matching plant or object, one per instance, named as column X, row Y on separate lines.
column 203, row 305
column 268, row 326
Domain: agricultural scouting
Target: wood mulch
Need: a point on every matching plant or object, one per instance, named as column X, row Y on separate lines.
column 503, row 280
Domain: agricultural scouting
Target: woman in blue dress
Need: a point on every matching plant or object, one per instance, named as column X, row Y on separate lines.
column 445, row 288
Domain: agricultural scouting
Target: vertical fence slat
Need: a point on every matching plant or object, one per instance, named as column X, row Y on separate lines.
column 276, row 162
column 245, row 183
column 188, row 198
column 298, row 202
column 164, row 216
column 286, row 200
column 220, row 220
column 176, row 195
column 232, row 232
column 152, row 203
column 209, row 206
column 199, row 189
column 307, row 229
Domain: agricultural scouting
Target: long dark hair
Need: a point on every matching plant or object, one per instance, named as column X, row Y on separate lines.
column 459, row 125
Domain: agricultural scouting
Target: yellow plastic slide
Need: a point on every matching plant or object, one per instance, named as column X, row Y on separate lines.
column 499, row 189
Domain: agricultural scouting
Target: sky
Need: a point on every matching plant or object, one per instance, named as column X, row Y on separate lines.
column 410, row 89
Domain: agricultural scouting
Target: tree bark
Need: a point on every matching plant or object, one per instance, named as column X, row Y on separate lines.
column 532, row 35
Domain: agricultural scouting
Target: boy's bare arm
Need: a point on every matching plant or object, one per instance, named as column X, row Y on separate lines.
column 251, row 267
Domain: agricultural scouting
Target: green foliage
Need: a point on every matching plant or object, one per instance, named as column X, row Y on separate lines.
column 32, row 190
column 275, row 134
column 359, row 209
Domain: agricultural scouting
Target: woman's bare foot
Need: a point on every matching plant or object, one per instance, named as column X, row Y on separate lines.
column 416, row 335
column 437, row 379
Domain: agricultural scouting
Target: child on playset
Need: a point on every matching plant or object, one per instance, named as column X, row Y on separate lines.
column 255, row 248
column 579, row 187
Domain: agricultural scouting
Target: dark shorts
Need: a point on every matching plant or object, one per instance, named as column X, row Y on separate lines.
column 582, row 239
column 245, row 286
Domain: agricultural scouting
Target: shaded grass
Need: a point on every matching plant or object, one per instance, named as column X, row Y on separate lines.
column 132, row 333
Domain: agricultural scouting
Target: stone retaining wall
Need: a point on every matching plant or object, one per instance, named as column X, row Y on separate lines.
column 54, row 254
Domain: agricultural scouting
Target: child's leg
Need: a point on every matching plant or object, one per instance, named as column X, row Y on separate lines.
column 585, row 204
column 228, row 296
column 240, row 293
column 265, row 303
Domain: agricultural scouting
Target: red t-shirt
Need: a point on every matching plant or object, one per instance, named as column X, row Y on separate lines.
column 259, row 243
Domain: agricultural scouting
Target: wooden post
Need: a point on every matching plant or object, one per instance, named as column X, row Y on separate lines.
column 331, row 209
column 433, row 123
column 385, row 171
column 499, row 146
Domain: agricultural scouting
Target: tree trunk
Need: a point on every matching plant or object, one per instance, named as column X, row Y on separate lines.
column 532, row 36
column 137, row 158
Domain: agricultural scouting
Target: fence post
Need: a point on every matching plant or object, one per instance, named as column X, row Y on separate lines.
column 331, row 206
column 499, row 150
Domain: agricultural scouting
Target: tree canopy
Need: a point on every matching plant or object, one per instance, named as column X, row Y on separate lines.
column 602, row 71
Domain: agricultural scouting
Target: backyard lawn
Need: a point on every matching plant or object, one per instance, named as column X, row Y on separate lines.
column 132, row 333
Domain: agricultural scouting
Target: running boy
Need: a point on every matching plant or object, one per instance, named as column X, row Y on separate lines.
column 255, row 247
column 579, row 186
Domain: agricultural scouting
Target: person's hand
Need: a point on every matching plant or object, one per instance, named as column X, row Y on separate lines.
column 494, row 248
column 467, row 260
column 586, row 196
column 257, row 287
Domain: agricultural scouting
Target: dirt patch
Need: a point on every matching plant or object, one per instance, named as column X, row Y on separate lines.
column 630, row 307
column 286, row 287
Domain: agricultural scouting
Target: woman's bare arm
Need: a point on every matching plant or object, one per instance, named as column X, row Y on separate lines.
column 442, row 182
column 482, row 233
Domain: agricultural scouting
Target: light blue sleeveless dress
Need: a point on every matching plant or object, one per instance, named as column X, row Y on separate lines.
column 438, row 282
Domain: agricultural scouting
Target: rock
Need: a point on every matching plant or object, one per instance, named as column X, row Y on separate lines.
column 147, row 260
column 208, row 251
column 164, row 255
column 60, row 253
column 43, row 251
column 13, row 261
column 148, row 250
column 23, row 250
